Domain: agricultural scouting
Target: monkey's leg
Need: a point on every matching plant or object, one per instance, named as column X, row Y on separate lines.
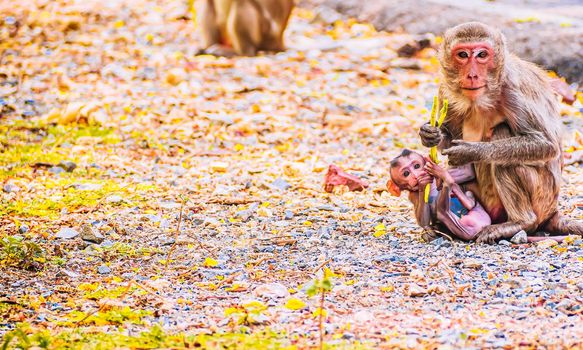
column 560, row 225
column 207, row 19
column 448, row 218
column 519, row 187
column 244, row 27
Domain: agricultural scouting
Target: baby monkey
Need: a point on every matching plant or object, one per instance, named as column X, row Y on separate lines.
column 457, row 210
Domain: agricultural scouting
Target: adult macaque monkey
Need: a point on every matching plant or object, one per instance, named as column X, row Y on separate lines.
column 242, row 27
column 504, row 118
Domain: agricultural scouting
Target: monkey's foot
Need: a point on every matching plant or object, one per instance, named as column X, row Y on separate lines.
column 220, row 50
column 429, row 234
column 491, row 234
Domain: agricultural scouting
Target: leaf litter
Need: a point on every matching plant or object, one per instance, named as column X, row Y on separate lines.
column 182, row 197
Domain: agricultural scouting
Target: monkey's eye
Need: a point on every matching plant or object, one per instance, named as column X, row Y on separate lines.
column 483, row 54
column 417, row 166
column 462, row 54
column 406, row 173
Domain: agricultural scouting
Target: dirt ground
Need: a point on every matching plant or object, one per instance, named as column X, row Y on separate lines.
column 549, row 33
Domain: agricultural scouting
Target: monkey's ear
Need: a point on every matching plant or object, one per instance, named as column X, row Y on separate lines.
column 393, row 188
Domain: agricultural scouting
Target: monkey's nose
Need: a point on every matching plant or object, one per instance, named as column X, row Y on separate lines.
column 472, row 76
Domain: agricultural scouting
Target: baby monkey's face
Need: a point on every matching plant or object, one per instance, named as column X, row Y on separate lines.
column 407, row 171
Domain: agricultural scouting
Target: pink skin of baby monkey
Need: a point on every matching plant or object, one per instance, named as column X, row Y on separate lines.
column 412, row 172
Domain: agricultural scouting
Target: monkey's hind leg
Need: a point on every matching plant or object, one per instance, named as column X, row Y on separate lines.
column 514, row 193
column 560, row 225
column 207, row 19
column 244, row 27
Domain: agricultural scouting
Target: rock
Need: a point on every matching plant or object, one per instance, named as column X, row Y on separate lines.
column 437, row 241
column 56, row 170
column 337, row 177
column 288, row 214
column 245, row 215
column 280, row 184
column 435, row 289
column 363, row 316
column 446, row 243
column 70, row 274
column 272, row 290
column 417, row 274
column 66, row 165
column 23, row 229
column 504, row 242
column 472, row 264
column 67, row 233
column 408, row 50
column 104, row 269
column 91, row 235
column 547, row 243
column 10, row 188
column 519, row 237
column 114, row 198
column 107, row 244
column 347, row 336
column 324, row 233
column 414, row 290
column 580, row 286
column 167, row 240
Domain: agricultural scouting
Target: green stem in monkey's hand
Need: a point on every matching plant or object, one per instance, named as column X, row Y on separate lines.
column 433, row 150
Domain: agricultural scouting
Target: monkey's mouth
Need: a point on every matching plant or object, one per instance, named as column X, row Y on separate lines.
column 474, row 89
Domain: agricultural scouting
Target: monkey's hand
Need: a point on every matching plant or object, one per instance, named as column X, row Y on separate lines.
column 462, row 152
column 430, row 135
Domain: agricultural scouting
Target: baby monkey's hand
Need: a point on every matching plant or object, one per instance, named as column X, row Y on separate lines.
column 438, row 172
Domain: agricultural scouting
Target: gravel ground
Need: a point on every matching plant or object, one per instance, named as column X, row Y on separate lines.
column 248, row 142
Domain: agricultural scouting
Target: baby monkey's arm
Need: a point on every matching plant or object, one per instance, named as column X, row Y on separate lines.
column 448, row 180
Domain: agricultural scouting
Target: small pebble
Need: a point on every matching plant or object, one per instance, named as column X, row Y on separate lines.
column 56, row 170
column 10, row 188
column 103, row 269
column 281, row 184
column 519, row 237
column 67, row 233
column 68, row 166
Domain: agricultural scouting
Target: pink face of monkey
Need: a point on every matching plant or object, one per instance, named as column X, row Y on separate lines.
column 405, row 174
column 473, row 61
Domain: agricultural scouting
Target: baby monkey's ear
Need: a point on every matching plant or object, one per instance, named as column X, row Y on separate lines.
column 393, row 188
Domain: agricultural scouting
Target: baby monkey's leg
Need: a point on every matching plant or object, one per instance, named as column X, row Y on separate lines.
column 465, row 228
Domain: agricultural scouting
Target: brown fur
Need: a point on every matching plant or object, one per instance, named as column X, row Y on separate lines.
column 242, row 27
column 512, row 135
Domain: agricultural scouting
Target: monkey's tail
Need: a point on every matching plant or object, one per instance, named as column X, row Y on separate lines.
column 560, row 225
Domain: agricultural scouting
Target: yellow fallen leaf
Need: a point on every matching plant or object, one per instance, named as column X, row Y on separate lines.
column 210, row 262
column 219, row 167
column 295, row 304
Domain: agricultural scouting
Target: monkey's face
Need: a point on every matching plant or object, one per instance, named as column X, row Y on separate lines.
column 407, row 172
column 473, row 62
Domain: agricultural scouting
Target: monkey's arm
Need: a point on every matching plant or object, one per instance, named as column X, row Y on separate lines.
column 462, row 173
column 527, row 149
column 422, row 210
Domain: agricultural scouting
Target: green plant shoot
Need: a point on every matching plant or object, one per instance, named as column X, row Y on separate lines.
column 432, row 119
